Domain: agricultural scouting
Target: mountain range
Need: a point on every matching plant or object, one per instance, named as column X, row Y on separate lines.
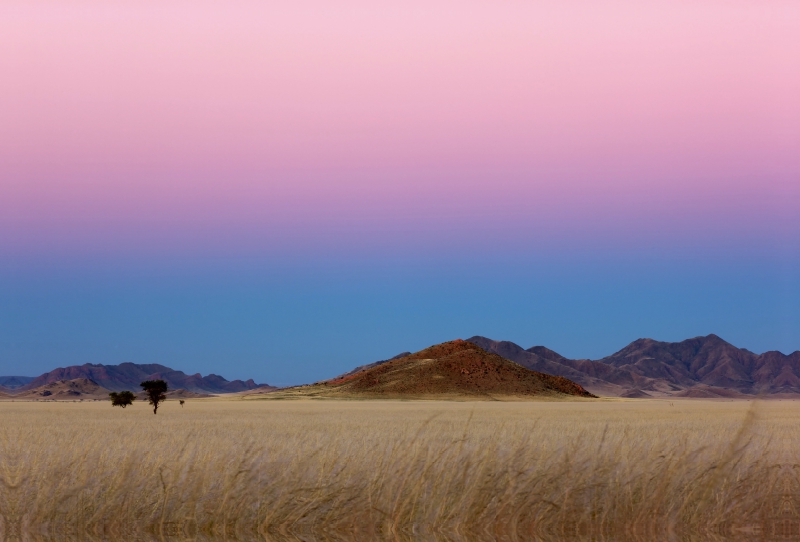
column 699, row 367
column 128, row 376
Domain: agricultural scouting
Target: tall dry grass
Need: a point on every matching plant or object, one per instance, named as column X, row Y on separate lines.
column 416, row 470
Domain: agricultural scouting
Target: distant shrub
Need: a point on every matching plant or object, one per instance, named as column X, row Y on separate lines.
column 156, row 391
column 181, row 402
column 123, row 398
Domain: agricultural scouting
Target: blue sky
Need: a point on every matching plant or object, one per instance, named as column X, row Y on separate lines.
column 307, row 319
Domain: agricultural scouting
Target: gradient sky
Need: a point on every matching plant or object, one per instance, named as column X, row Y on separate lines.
column 284, row 190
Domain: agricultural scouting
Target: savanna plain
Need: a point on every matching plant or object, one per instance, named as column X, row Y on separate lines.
column 240, row 469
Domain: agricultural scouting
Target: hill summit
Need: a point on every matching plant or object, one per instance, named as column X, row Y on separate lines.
column 455, row 369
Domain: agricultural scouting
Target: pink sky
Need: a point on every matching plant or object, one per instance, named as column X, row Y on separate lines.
column 190, row 117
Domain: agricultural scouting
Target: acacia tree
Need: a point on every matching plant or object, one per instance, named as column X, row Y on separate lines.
column 156, row 392
column 123, row 398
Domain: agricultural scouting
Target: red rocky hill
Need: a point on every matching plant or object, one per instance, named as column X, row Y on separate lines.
column 452, row 369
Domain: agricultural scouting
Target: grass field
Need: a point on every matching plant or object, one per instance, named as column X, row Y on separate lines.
column 364, row 470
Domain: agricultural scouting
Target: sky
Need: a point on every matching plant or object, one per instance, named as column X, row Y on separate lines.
column 285, row 190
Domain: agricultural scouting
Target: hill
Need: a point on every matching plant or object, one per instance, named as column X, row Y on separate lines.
column 128, row 376
column 666, row 369
column 83, row 389
column 78, row 388
column 456, row 369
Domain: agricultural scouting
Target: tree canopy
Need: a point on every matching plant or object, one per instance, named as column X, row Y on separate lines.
column 156, row 391
column 123, row 398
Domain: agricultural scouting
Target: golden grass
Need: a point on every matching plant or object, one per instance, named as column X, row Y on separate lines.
column 366, row 470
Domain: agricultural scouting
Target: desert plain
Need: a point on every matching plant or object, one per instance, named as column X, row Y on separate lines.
column 265, row 469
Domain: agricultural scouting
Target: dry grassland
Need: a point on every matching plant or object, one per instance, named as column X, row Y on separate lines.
column 361, row 470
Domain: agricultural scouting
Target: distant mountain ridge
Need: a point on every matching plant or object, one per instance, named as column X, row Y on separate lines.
column 128, row 376
column 653, row 368
column 13, row 382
